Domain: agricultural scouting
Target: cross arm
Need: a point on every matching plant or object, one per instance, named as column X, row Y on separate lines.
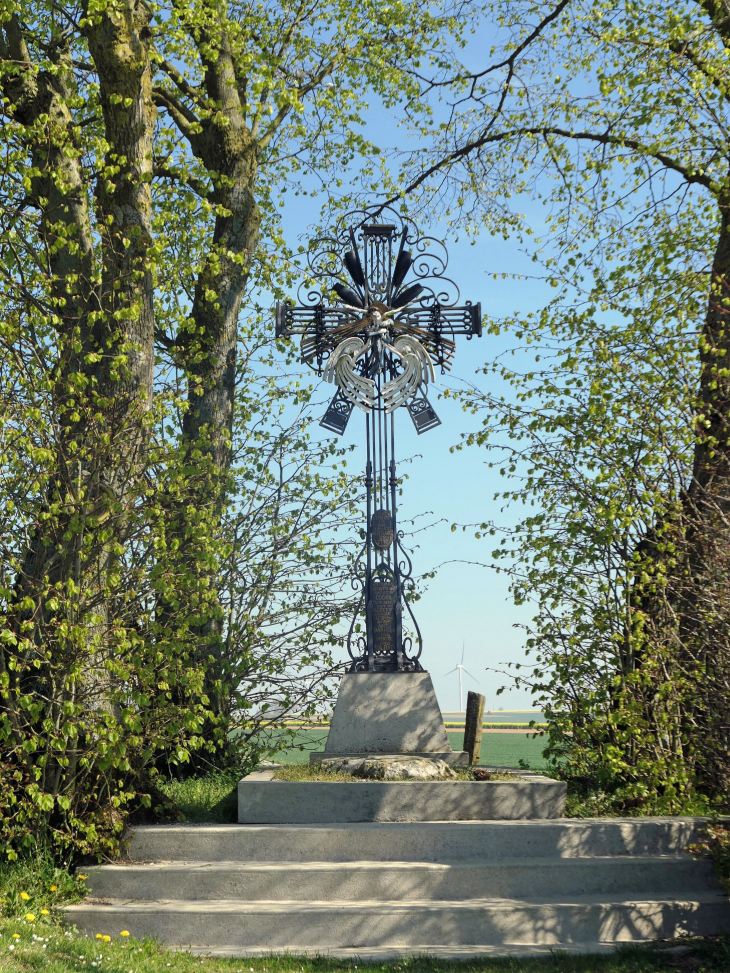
column 446, row 321
column 436, row 327
column 293, row 319
column 320, row 327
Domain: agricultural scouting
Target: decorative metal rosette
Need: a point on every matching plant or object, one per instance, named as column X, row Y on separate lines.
column 392, row 318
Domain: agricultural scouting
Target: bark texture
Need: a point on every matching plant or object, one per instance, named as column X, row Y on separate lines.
column 103, row 318
column 120, row 46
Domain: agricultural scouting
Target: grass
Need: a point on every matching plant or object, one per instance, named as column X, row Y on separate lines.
column 211, row 799
column 35, row 886
column 499, row 726
column 303, row 772
column 298, row 747
column 506, row 749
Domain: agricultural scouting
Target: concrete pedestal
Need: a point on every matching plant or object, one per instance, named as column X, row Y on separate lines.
column 264, row 800
column 388, row 713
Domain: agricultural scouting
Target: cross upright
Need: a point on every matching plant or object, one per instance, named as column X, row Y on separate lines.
column 377, row 337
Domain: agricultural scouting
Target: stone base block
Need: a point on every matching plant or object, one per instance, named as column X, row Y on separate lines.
column 263, row 800
column 387, row 712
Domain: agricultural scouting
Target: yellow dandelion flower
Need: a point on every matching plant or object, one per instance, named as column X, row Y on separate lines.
column 24, row 896
column 82, row 877
column 45, row 912
column 54, row 888
column 98, row 935
column 124, row 932
column 29, row 917
column 16, row 935
column 107, row 939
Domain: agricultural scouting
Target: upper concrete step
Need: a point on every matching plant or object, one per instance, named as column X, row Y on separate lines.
column 367, row 923
column 420, row 842
column 355, row 881
column 263, row 800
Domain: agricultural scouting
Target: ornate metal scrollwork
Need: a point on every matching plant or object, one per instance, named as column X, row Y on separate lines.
column 375, row 314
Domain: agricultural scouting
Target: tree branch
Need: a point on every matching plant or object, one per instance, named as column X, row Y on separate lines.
column 302, row 92
column 719, row 13
column 183, row 117
column 508, row 61
column 164, row 171
column 605, row 138
column 181, row 82
column 20, row 85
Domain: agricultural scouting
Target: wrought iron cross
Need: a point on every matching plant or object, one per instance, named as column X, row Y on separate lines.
column 379, row 344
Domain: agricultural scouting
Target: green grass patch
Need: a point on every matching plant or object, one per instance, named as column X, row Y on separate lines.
column 211, row 799
column 303, row 773
column 296, row 749
column 506, row 749
column 499, row 726
column 36, row 887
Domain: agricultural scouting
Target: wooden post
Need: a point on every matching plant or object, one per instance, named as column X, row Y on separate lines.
column 473, row 726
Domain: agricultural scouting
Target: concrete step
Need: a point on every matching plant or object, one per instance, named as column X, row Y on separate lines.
column 419, row 842
column 379, row 954
column 263, row 800
column 417, row 923
column 354, row 881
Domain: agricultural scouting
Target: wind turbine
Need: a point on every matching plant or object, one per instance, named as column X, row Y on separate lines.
column 461, row 668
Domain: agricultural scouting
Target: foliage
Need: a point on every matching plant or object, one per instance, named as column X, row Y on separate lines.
column 615, row 425
column 159, row 530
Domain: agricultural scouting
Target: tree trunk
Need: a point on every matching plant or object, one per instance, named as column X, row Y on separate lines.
column 207, row 348
column 226, row 147
column 120, row 47
column 102, row 384
column 704, row 584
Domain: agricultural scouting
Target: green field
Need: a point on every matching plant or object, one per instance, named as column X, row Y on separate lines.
column 501, row 749
column 506, row 749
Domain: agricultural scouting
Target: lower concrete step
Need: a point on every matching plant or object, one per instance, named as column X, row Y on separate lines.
column 327, row 881
column 382, row 953
column 419, row 842
column 423, row 923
